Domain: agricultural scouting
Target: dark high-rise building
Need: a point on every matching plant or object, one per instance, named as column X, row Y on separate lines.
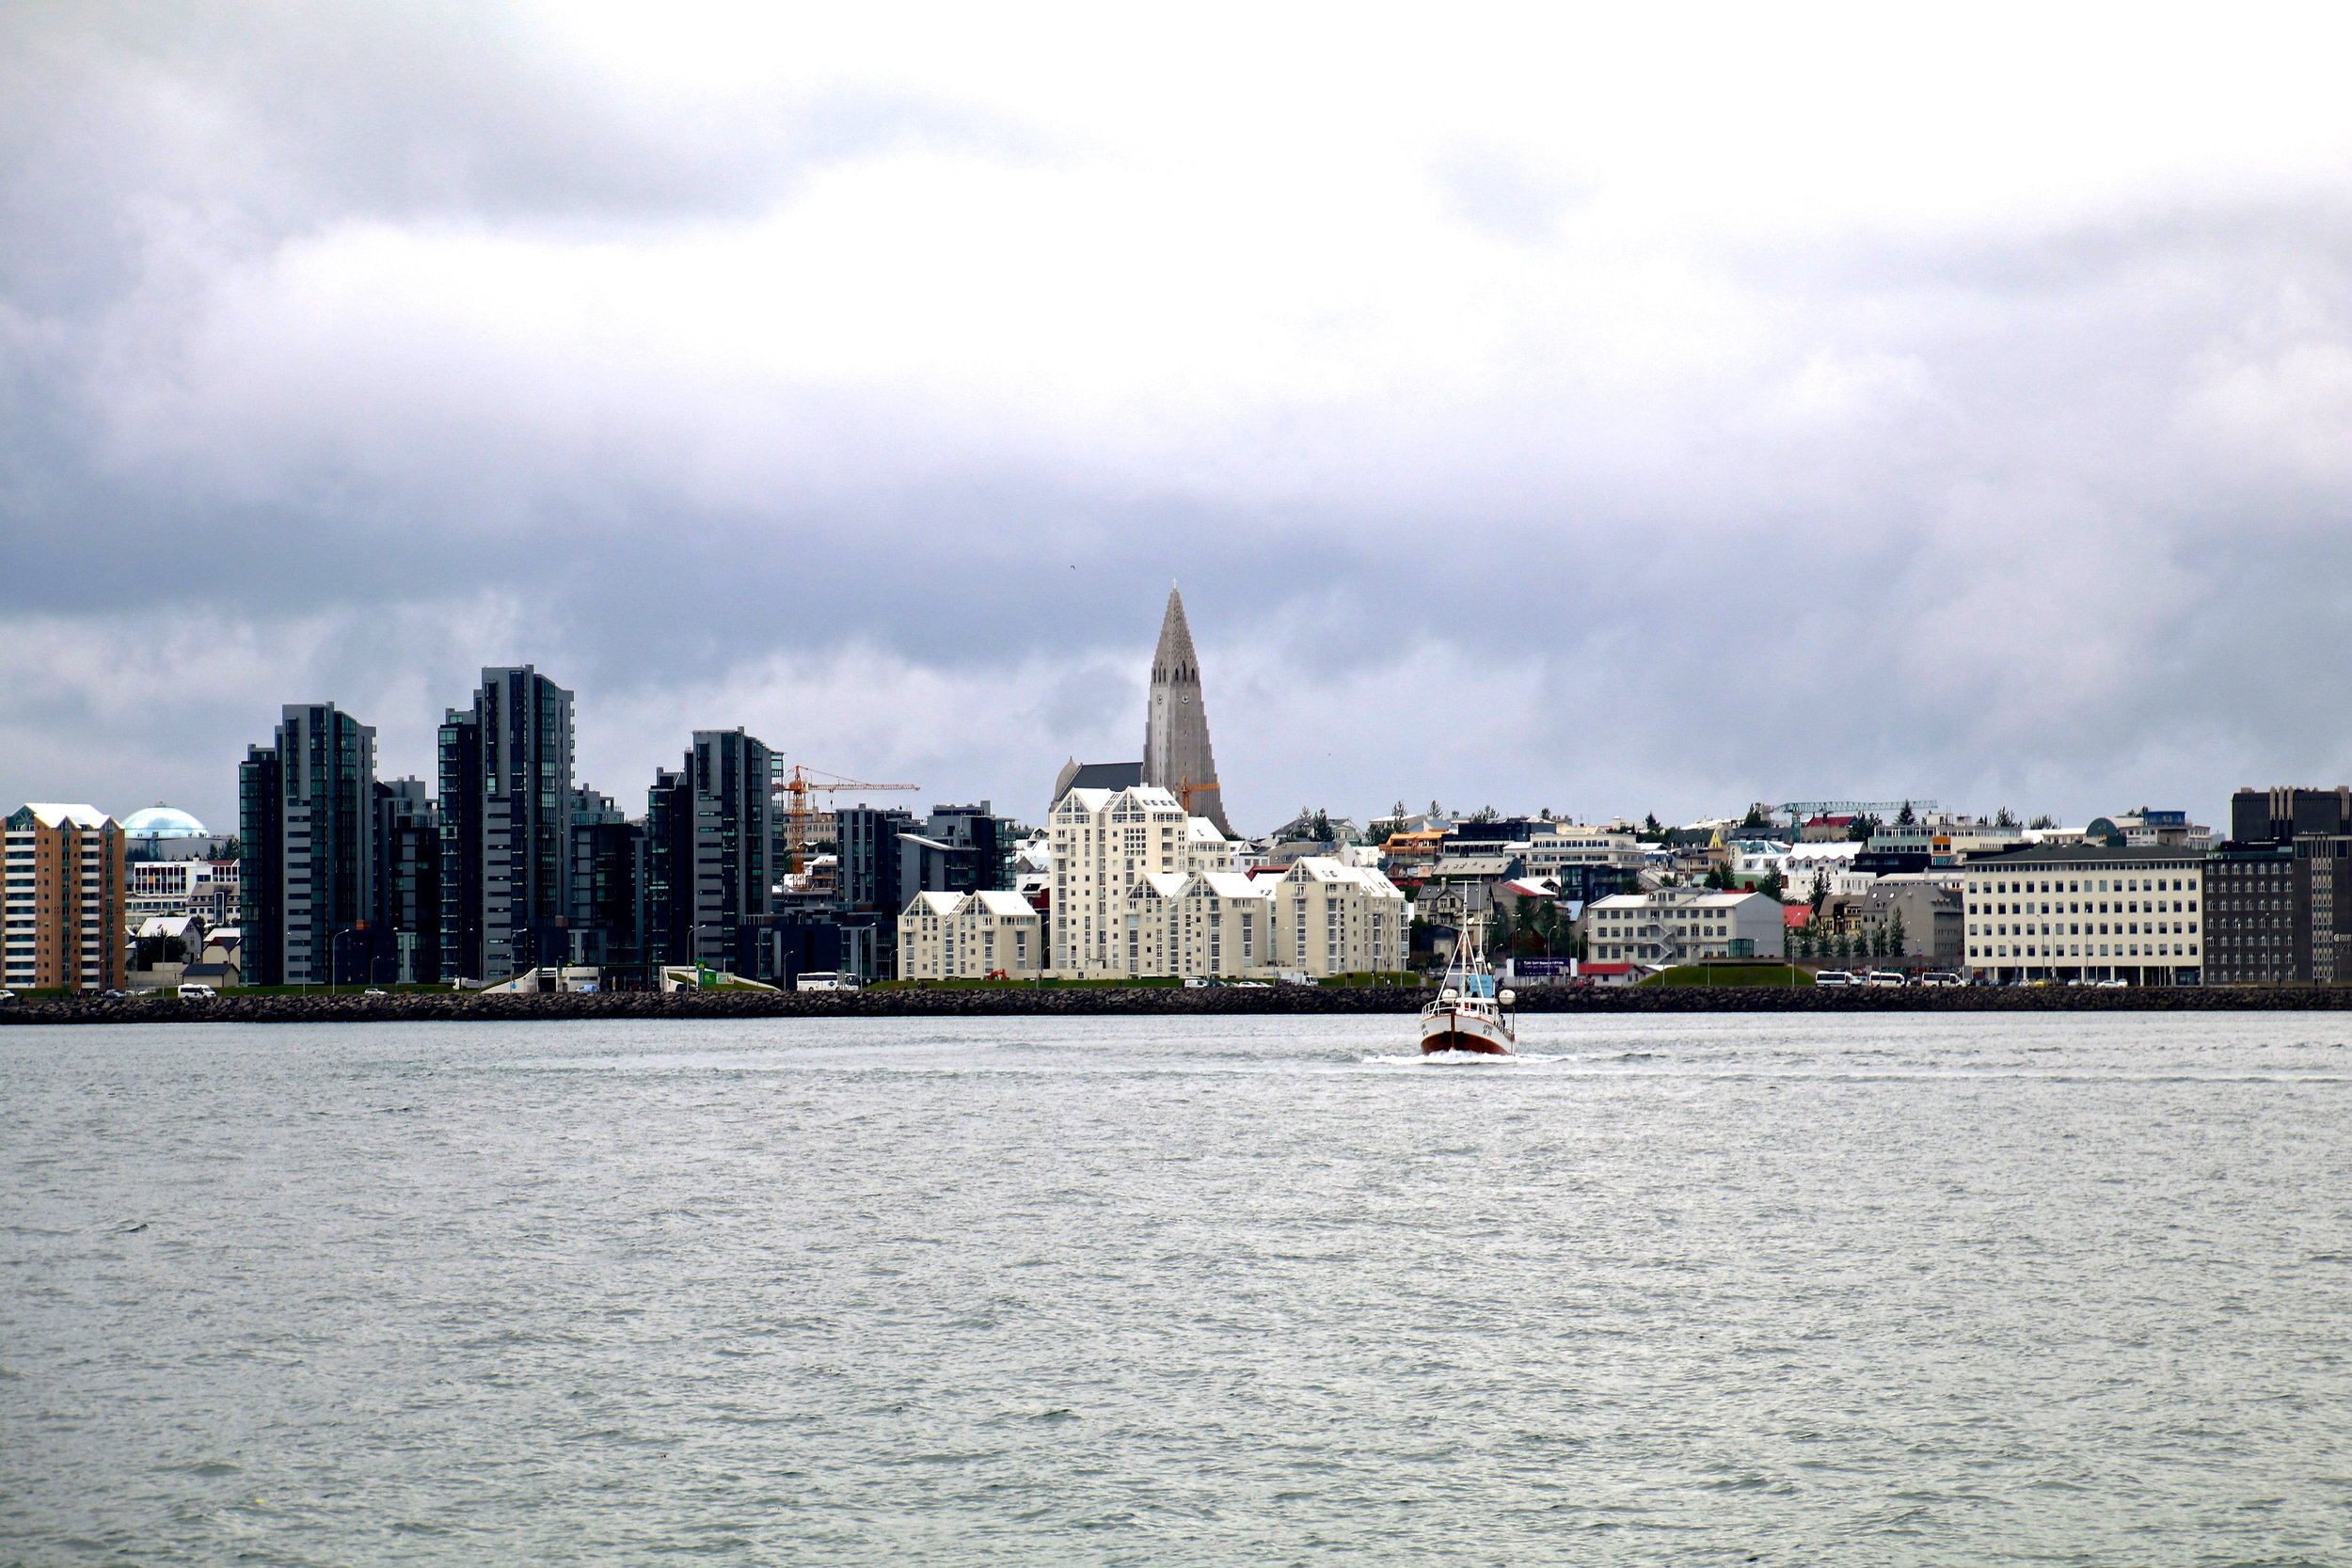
column 261, row 868
column 506, row 786
column 866, row 843
column 2257, row 914
column 2282, row 816
column 408, row 880
column 459, row 760
column 981, row 848
column 310, row 799
column 738, row 849
column 713, row 849
column 667, row 928
column 604, row 897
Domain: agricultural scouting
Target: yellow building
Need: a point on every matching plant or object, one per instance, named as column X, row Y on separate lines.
column 66, row 903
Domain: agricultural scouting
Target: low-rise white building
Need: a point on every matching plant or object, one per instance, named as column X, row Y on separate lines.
column 969, row 936
column 1681, row 924
column 1334, row 918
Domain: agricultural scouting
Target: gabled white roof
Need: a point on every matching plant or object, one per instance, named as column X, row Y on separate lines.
column 1322, row 868
column 933, row 903
column 1092, row 799
column 1167, row 884
column 1233, row 884
column 1001, row 904
column 53, row 814
column 1200, row 829
column 165, row 926
column 1151, row 798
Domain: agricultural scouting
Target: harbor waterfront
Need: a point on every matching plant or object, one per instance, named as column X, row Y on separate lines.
column 1154, row 1000
column 1882, row 1288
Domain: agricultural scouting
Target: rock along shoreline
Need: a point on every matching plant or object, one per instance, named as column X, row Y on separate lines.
column 1146, row 1001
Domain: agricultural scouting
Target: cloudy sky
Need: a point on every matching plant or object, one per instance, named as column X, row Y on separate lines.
column 1545, row 410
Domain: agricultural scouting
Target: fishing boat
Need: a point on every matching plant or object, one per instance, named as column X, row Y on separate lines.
column 1469, row 1013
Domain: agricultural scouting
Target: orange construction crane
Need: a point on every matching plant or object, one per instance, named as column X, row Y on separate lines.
column 803, row 782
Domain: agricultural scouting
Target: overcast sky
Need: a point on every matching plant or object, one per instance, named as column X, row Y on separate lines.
column 1542, row 410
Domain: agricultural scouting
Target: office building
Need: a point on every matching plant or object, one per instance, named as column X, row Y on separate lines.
column 506, row 790
column 2086, row 911
column 1682, row 925
column 64, row 908
column 2283, row 815
column 2259, row 914
column 306, row 816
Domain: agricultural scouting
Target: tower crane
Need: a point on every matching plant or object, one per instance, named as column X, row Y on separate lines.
column 796, row 790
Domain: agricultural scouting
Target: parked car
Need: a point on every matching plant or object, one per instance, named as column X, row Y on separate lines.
column 1941, row 977
column 8, row 996
column 112, row 995
column 372, row 991
column 1834, row 977
column 194, row 992
column 1889, row 978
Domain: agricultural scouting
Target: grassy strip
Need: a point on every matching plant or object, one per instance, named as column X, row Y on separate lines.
column 1725, row 975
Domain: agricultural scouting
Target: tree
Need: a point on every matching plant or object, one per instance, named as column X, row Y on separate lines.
column 2004, row 818
column 1861, row 827
column 1771, row 885
column 1320, row 828
column 1821, row 888
column 1755, row 821
column 1486, row 813
column 2045, row 820
column 1895, row 938
column 1905, row 819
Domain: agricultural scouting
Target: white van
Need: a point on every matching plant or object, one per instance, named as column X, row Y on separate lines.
column 1834, row 977
column 1889, row 978
column 198, row 993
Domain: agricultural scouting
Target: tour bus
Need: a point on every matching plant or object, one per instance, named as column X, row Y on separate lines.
column 826, row 979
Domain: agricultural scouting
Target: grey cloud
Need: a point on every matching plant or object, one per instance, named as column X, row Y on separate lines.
column 1949, row 536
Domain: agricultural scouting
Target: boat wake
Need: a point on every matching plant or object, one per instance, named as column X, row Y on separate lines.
column 1458, row 1058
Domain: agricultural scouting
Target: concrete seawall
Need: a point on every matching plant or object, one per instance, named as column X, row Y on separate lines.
column 449, row 1007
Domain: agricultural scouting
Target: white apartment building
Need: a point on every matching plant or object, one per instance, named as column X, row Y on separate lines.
column 1681, row 924
column 1223, row 925
column 205, row 888
column 2082, row 911
column 969, row 936
column 1568, row 845
column 1334, row 918
column 1104, row 842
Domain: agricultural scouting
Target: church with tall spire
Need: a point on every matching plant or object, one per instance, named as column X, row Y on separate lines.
column 1176, row 752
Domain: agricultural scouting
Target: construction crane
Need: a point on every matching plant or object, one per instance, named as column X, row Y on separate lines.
column 796, row 790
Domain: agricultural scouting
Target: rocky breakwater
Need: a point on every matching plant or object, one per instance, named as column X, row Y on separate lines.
column 1092, row 1002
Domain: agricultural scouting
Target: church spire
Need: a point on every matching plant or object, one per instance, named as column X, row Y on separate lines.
column 1176, row 752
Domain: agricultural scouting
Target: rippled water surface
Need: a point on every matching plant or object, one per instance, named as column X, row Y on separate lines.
column 1852, row 1289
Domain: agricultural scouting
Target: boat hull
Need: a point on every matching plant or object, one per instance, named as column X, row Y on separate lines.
column 1450, row 1030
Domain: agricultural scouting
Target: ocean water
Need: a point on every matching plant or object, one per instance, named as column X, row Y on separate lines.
column 1978, row 1289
